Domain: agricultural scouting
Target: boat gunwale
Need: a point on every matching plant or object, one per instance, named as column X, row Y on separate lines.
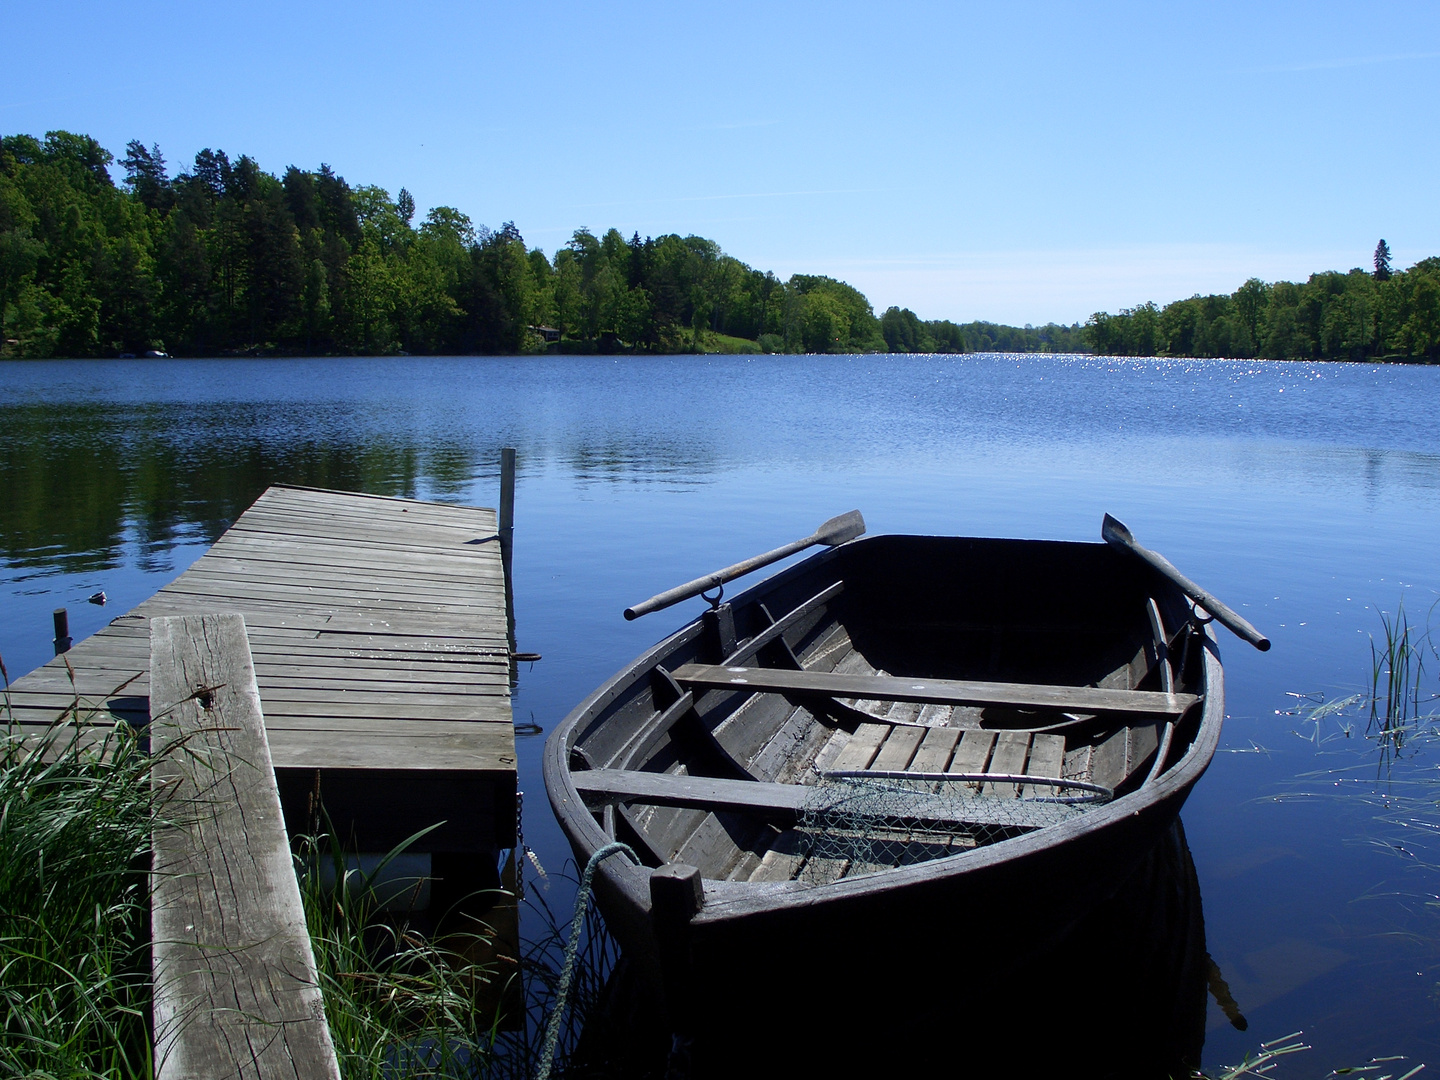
column 725, row 901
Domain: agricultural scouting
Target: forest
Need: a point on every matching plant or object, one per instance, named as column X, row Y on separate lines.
column 1379, row 314
column 224, row 258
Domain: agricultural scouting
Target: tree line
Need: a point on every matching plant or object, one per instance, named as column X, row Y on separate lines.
column 225, row 258
column 1358, row 315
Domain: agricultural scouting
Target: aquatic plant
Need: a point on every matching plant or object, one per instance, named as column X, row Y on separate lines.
column 400, row 1003
column 76, row 814
column 1264, row 1061
column 1397, row 674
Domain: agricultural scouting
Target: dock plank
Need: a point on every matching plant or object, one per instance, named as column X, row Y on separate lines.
column 236, row 988
column 377, row 633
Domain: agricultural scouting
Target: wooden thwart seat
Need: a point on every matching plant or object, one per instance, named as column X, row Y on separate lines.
column 781, row 802
column 1087, row 699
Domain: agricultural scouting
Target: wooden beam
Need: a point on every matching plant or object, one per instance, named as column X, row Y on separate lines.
column 775, row 630
column 937, row 691
column 236, row 990
column 784, row 802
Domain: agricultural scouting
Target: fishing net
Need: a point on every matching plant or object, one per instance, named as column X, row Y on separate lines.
column 859, row 822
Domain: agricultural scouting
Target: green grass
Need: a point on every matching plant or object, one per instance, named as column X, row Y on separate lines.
column 401, row 1004
column 76, row 817
column 75, row 824
column 712, row 342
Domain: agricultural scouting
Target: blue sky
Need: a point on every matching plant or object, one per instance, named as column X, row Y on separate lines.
column 1017, row 162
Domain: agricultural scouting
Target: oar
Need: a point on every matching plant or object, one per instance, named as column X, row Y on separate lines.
column 1114, row 532
column 835, row 531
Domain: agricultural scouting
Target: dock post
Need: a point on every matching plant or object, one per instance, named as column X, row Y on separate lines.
column 62, row 631
column 507, row 532
column 676, row 894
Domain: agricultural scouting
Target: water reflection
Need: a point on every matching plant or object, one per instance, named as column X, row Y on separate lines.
column 1122, row 994
column 81, row 481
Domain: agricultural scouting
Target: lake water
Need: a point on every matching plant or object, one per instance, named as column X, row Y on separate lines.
column 1307, row 496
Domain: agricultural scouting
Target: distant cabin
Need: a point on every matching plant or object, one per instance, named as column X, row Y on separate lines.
column 547, row 334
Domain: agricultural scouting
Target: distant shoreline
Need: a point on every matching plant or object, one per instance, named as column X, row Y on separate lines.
column 226, row 259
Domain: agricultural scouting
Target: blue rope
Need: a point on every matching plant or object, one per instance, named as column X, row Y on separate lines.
column 572, row 948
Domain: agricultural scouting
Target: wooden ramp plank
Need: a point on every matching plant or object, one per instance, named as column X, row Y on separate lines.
column 236, row 990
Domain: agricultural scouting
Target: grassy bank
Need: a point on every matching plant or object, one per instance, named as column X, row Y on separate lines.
column 75, row 823
column 76, row 817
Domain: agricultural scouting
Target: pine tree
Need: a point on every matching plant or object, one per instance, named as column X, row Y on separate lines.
column 1382, row 261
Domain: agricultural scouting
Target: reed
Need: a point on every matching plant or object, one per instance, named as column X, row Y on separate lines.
column 401, row 1004
column 1397, row 675
column 76, row 814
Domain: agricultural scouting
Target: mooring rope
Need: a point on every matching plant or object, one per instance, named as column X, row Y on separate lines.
column 572, row 949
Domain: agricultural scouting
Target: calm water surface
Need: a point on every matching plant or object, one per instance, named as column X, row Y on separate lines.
column 1308, row 496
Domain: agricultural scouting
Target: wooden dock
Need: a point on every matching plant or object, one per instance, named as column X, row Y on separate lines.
column 382, row 654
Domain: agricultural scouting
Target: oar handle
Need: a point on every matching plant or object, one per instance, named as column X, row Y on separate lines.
column 1114, row 532
column 835, row 531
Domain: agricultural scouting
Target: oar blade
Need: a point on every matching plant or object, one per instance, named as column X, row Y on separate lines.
column 1114, row 532
column 839, row 530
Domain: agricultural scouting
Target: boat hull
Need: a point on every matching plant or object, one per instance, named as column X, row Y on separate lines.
column 912, row 603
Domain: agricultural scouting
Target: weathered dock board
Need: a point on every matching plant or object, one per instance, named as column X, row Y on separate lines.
column 379, row 636
column 236, row 989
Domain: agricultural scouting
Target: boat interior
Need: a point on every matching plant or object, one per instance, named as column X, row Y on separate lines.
column 895, row 657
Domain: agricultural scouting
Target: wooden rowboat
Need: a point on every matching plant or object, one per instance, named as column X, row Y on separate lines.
column 885, row 759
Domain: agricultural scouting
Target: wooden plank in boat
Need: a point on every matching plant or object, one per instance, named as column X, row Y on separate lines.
column 933, row 715
column 1011, row 748
column 935, row 752
column 806, row 752
column 946, row 691
column 973, row 752
column 826, row 757
column 781, row 749
column 777, row 801
column 649, row 736
column 712, row 841
column 745, row 733
column 1047, row 758
column 782, row 861
column 862, row 747
column 1140, row 746
column 1077, row 762
column 904, row 712
column 776, row 630
column 896, row 752
column 1107, row 762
